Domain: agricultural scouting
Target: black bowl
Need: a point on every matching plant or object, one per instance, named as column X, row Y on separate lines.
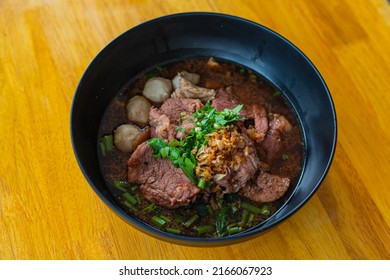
column 180, row 36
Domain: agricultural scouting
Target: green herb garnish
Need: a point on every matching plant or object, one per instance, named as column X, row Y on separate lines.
column 277, row 93
column 221, row 221
column 156, row 72
column 180, row 153
column 106, row 144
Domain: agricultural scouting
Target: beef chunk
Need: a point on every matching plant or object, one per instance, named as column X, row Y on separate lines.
column 160, row 125
column 267, row 188
column 273, row 144
column 235, row 180
column 225, row 98
column 256, row 113
column 160, row 182
column 261, row 122
column 174, row 107
column 163, row 121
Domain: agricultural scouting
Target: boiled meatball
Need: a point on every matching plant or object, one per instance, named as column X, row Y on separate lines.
column 157, row 89
column 138, row 110
column 124, row 137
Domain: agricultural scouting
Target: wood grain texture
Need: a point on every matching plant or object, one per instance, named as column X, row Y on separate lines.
column 47, row 209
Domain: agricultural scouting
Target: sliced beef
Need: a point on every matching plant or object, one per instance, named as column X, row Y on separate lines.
column 163, row 121
column 260, row 121
column 159, row 181
column 235, row 180
column 267, row 188
column 272, row 145
column 174, row 107
column 160, row 125
column 256, row 113
column 225, row 98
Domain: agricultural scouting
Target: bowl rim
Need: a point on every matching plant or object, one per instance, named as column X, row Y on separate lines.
column 202, row 241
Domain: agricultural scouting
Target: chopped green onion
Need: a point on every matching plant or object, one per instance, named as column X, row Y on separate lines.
column 150, row 75
column 190, row 221
column 234, row 230
column 130, row 206
column 202, row 210
column 250, row 219
column 158, row 221
column 277, row 93
column 181, row 129
column 130, row 198
column 161, row 69
column 173, row 230
column 231, row 197
column 166, row 219
column 121, row 185
column 149, row 208
column 221, row 221
column 107, row 139
column 220, row 202
column 242, row 70
column 232, row 225
column 235, row 207
column 251, row 207
column 204, row 229
column 102, row 148
column 210, row 209
column 285, row 157
column 244, row 217
column 106, row 144
column 178, row 218
column 202, row 183
column 138, row 198
column 120, row 188
column 217, row 126
column 265, row 210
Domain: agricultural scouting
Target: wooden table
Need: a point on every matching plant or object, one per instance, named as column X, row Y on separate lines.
column 48, row 210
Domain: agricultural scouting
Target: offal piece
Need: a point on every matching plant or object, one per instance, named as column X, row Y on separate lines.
column 191, row 77
column 187, row 89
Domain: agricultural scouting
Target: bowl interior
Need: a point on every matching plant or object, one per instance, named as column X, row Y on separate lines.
column 177, row 37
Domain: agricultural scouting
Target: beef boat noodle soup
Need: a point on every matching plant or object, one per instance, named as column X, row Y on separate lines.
column 200, row 148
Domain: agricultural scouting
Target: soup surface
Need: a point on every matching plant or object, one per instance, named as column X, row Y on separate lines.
column 200, row 148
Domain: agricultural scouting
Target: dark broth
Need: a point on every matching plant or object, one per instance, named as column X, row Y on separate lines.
column 253, row 90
